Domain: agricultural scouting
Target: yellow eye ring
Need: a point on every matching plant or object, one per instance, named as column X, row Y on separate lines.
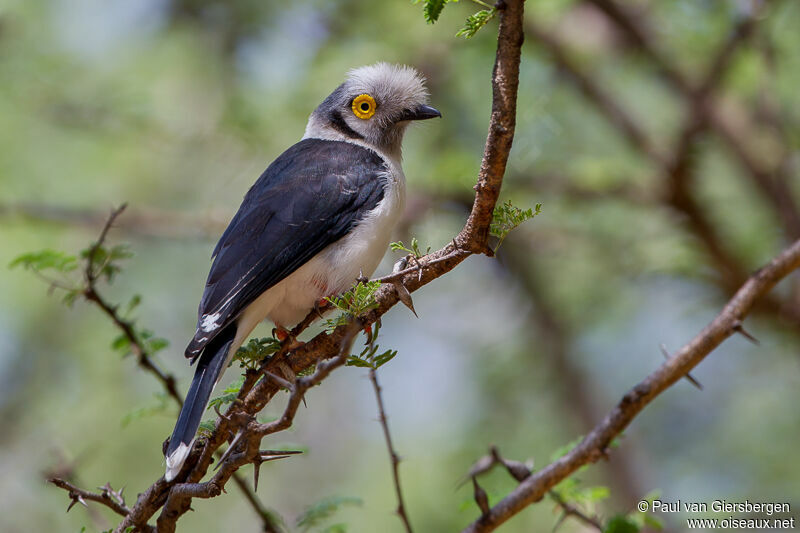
column 364, row 106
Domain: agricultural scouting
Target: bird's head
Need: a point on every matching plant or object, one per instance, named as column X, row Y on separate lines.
column 374, row 105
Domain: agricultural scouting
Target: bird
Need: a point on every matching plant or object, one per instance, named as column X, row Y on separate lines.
column 317, row 219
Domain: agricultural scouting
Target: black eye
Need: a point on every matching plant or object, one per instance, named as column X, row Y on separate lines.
column 365, row 106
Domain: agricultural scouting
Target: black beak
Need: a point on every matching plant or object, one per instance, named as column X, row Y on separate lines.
column 422, row 112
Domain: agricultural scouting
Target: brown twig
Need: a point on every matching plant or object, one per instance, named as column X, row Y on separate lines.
column 108, row 497
column 177, row 503
column 393, row 456
column 595, row 445
column 571, row 510
column 91, row 293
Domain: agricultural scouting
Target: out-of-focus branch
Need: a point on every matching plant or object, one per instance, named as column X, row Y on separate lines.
column 393, row 456
column 144, row 222
column 91, row 293
column 677, row 170
column 771, row 182
column 553, row 336
column 595, row 445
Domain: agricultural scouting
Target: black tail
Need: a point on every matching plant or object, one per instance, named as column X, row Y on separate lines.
column 209, row 368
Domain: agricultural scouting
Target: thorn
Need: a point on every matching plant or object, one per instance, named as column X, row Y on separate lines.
column 233, row 444
column 481, row 466
column 560, row 521
column 287, row 371
column 279, row 381
column 401, row 264
column 219, row 414
column 362, row 278
column 256, row 470
column 76, row 498
column 404, row 295
column 291, row 377
column 688, row 375
column 480, row 497
column 419, row 269
column 739, row 328
column 368, row 333
column 322, row 305
column 273, row 457
column 518, row 470
column 279, row 452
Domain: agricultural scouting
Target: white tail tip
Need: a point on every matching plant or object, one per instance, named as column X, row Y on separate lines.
column 175, row 460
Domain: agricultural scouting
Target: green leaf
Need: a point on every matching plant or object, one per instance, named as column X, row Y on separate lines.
column 565, row 449
column 595, row 494
column 149, row 410
column 136, row 299
column 475, row 22
column 415, row 250
column 206, row 428
column 104, row 261
column 228, row 395
column 356, row 361
column 46, row 260
column 620, row 524
column 324, row 509
column 70, row 295
column 156, row 344
column 652, row 522
column 432, row 9
column 384, row 358
column 121, row 344
column 251, row 355
column 506, row 217
column 354, row 303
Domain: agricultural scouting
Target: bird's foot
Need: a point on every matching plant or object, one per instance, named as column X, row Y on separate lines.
column 322, row 305
column 286, row 338
column 281, row 333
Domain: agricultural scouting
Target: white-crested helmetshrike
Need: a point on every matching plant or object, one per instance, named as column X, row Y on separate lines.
column 320, row 216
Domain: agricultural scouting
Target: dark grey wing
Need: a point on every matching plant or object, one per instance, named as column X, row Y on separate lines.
column 311, row 196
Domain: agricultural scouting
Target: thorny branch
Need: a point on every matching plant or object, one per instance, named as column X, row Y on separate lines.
column 256, row 393
column 595, row 445
column 249, row 437
column 108, row 497
column 92, row 294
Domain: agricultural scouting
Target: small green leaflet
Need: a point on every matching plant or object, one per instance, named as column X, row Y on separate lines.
column 506, row 217
column 323, row 510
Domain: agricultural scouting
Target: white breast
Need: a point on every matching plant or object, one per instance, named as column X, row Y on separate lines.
column 335, row 269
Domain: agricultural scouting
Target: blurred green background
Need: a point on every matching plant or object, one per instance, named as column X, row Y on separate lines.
column 177, row 106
